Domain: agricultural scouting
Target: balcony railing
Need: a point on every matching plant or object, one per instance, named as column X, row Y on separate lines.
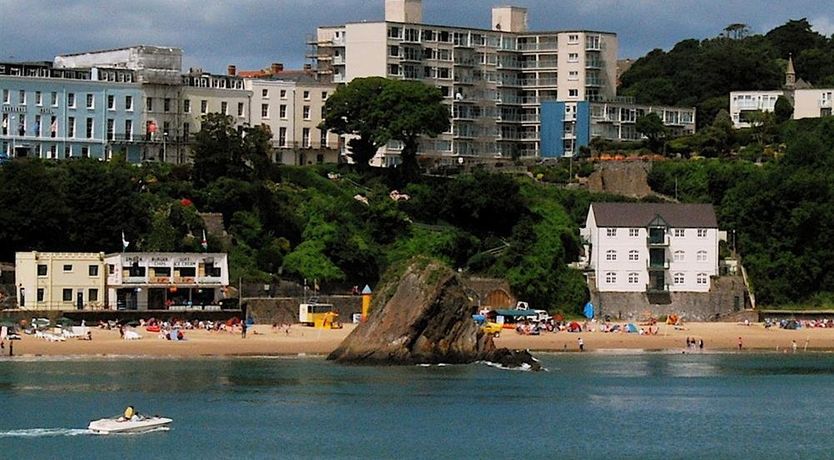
column 657, row 264
column 658, row 240
column 654, row 289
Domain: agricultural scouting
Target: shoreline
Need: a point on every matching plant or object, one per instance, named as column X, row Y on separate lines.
column 303, row 342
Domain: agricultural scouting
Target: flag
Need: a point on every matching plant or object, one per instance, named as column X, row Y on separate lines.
column 125, row 243
column 204, row 243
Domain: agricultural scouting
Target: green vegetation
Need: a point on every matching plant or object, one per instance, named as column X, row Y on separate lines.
column 703, row 73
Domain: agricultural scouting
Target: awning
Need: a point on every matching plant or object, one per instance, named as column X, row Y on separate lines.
column 516, row 313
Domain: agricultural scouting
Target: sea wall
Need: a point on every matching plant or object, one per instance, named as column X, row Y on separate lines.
column 726, row 297
column 283, row 310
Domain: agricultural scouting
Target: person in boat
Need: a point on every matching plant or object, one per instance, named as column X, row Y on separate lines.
column 130, row 414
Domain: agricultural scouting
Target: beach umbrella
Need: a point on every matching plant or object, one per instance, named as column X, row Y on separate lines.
column 589, row 310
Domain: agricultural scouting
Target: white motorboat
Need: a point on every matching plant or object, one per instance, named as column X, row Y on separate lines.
column 135, row 424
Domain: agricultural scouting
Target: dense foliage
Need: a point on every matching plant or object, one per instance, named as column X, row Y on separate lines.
column 703, row 73
column 782, row 211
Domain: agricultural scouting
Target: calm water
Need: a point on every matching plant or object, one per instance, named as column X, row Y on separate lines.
column 590, row 406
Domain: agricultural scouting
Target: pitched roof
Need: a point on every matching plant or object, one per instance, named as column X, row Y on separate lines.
column 640, row 214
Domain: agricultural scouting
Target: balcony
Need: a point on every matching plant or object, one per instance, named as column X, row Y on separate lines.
column 590, row 81
column 657, row 241
column 655, row 289
column 657, row 265
column 593, row 64
column 825, row 103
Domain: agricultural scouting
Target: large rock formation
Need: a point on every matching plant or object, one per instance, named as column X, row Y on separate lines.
column 423, row 316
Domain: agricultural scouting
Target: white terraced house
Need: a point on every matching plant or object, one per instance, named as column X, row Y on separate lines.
column 651, row 247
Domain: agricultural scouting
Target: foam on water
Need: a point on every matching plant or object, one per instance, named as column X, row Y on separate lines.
column 43, row 432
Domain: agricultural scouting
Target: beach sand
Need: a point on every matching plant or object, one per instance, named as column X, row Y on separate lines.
column 263, row 340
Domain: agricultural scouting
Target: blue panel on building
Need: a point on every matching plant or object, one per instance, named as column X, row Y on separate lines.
column 583, row 124
column 552, row 129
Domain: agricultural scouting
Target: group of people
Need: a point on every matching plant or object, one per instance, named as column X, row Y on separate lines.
column 798, row 324
column 694, row 344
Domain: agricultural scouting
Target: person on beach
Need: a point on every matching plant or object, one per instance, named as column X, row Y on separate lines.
column 740, row 344
column 701, row 344
column 243, row 329
column 793, row 345
column 581, row 344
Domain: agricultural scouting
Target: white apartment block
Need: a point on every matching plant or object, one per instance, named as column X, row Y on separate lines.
column 650, row 247
column 204, row 93
column 60, row 280
column 493, row 80
column 293, row 107
column 616, row 120
column 743, row 103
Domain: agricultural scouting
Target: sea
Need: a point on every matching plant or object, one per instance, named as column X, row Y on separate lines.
column 642, row 405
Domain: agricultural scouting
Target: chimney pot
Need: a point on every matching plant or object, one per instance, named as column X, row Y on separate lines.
column 277, row 67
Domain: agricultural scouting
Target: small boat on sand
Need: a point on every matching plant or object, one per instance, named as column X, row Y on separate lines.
column 135, row 424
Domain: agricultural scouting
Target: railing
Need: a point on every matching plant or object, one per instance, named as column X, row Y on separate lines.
column 825, row 103
column 654, row 289
column 655, row 241
column 590, row 81
column 593, row 64
column 657, row 264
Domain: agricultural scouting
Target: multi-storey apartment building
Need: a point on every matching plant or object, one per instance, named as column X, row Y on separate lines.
column 651, row 247
column 494, row 80
column 57, row 113
column 291, row 104
column 566, row 127
column 204, row 93
column 60, row 280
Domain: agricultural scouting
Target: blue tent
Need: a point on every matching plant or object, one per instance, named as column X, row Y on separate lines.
column 632, row 328
column 589, row 310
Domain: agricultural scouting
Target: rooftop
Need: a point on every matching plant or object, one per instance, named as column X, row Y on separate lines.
column 640, row 214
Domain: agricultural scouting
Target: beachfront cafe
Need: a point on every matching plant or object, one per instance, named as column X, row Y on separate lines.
column 167, row 281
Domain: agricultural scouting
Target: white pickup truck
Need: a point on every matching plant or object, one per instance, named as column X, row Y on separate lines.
column 541, row 315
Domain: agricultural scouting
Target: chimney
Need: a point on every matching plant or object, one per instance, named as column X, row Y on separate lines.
column 509, row 19
column 231, row 70
column 276, row 68
column 408, row 11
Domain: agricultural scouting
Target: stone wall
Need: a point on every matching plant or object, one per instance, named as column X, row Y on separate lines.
column 285, row 309
column 727, row 296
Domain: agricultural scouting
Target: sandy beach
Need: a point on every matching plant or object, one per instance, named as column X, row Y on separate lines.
column 263, row 340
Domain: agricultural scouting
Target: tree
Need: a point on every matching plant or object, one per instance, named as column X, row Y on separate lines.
column 651, row 126
column 355, row 109
column 223, row 150
column 413, row 109
column 783, row 110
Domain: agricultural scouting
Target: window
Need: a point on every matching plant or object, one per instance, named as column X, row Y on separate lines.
column 129, row 129
column 111, row 102
column 282, row 137
column 22, row 97
column 610, row 278
column 322, row 138
column 701, row 278
column 701, row 256
column 186, row 105
column 633, row 232
column 67, row 295
column 203, row 106
column 90, row 101
column 92, row 295
column 573, row 75
column 6, row 97
column 633, row 278
column 224, row 108
column 92, row 270
column 111, row 128
column 305, row 137
column 71, row 100
column 42, row 270
column 702, row 233
column 678, row 278
column 573, row 38
column 53, row 98
column 89, row 128
column 283, row 94
column 38, row 121
column 678, row 256
column 129, row 103
column 264, row 110
column 611, row 254
column 306, row 95
column 149, row 104
column 679, row 233
column 282, row 111
column 265, row 93
column 41, row 293
column 611, row 232
column 306, row 112
column 573, row 93
column 166, row 104
column 240, row 109
column 573, row 57
column 633, row 255
column 38, row 98
column 323, row 95
column 186, row 130
column 71, row 127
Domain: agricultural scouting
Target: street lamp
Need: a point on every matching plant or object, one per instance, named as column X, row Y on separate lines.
column 164, row 146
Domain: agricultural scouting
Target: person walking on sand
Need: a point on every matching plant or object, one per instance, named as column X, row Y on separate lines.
column 740, row 344
column 793, row 345
column 701, row 344
column 243, row 329
column 581, row 344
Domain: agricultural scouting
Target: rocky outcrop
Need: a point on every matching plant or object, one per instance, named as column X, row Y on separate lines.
column 621, row 178
column 423, row 316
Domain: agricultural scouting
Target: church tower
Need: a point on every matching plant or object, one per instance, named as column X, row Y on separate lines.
column 790, row 75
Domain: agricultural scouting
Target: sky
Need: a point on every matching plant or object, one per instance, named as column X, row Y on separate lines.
column 251, row 34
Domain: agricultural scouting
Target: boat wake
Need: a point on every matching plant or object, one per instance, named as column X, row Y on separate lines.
column 43, row 432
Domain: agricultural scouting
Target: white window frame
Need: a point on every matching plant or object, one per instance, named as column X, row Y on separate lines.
column 611, row 255
column 634, row 232
column 678, row 279
column 611, row 278
column 633, row 255
column 679, row 256
column 702, row 256
column 611, row 232
column 701, row 279
column 702, row 233
column 679, row 232
column 633, row 278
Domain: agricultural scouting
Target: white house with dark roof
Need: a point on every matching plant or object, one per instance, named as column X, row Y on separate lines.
column 651, row 247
